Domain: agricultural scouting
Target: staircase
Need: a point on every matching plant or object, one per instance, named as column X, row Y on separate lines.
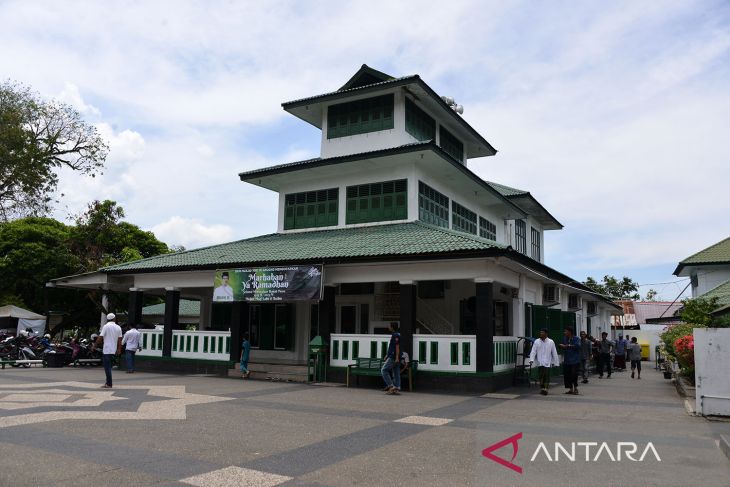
column 284, row 372
column 433, row 323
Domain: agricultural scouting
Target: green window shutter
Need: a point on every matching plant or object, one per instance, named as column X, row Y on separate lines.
column 466, row 353
column 311, row 209
column 377, row 202
column 434, row 352
column 360, row 117
column 422, row 352
column 433, row 207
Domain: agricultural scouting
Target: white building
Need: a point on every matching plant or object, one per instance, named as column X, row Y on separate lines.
column 404, row 231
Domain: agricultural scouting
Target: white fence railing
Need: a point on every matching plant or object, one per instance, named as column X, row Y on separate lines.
column 207, row 345
column 345, row 348
column 445, row 353
column 505, row 352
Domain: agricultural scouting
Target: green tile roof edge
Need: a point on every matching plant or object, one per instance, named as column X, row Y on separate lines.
column 693, row 260
column 130, row 266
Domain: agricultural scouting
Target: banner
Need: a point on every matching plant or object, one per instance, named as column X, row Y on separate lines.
column 292, row 283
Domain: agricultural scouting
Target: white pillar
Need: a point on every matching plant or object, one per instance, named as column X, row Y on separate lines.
column 105, row 306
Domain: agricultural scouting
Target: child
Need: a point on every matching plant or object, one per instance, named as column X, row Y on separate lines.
column 245, row 352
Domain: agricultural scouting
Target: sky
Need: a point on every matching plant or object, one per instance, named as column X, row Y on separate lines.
column 613, row 115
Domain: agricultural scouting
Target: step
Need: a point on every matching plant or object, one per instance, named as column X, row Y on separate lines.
column 273, row 376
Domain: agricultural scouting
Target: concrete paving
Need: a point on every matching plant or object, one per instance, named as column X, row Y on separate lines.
column 56, row 428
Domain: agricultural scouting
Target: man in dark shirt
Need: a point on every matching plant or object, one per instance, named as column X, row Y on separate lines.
column 604, row 355
column 392, row 364
column 571, row 345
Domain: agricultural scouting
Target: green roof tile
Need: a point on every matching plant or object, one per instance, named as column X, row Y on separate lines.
column 718, row 253
column 373, row 241
column 721, row 292
column 506, row 190
column 187, row 308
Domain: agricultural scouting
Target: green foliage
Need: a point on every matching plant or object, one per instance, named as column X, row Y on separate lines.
column 721, row 322
column 103, row 240
column 37, row 138
column 613, row 288
column 35, row 250
column 698, row 310
column 651, row 295
column 674, row 332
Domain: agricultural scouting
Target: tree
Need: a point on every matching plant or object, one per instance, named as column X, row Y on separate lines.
column 616, row 289
column 651, row 295
column 37, row 138
column 35, row 250
column 103, row 240
column 697, row 311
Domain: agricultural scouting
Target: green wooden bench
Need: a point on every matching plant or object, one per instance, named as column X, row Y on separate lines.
column 373, row 367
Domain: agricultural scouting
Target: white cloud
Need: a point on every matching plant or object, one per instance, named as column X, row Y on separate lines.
column 613, row 117
column 72, row 96
column 191, row 233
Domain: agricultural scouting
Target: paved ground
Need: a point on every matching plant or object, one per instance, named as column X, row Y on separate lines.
column 58, row 428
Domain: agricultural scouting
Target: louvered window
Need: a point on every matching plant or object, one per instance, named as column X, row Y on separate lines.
column 377, row 202
column 311, row 209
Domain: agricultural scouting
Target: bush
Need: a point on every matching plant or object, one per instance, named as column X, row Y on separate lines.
column 673, row 333
column 684, row 347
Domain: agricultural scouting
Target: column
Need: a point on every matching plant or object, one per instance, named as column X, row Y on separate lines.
column 485, row 325
column 239, row 325
column 206, row 310
column 327, row 313
column 136, row 297
column 408, row 295
column 172, row 318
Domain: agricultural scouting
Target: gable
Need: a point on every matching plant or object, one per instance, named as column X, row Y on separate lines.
column 365, row 76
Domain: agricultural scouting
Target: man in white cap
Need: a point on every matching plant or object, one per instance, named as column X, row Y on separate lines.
column 111, row 337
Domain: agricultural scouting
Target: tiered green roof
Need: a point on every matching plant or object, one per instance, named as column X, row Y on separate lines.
column 400, row 239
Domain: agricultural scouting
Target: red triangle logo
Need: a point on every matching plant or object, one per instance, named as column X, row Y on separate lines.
column 512, row 440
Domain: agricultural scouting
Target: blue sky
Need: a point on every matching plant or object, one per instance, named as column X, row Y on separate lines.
column 613, row 115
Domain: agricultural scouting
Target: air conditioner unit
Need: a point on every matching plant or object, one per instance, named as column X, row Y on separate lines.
column 592, row 308
column 574, row 301
column 550, row 294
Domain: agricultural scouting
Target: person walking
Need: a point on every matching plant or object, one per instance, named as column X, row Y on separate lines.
column 391, row 366
column 131, row 344
column 586, row 349
column 245, row 353
column 619, row 361
column 545, row 355
column 110, row 338
column 571, row 360
column 635, row 356
column 604, row 355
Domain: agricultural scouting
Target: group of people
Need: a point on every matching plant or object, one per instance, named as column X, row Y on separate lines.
column 112, row 339
column 578, row 352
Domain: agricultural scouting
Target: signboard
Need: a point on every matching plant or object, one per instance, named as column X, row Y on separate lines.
column 292, row 283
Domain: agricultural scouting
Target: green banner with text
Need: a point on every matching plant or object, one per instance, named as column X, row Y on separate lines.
column 290, row 283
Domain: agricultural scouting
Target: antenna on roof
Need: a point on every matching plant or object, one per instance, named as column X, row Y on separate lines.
column 452, row 104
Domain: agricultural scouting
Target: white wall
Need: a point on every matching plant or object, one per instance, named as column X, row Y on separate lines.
column 712, row 362
column 709, row 278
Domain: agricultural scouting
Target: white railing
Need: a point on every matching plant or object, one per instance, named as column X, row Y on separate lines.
column 505, row 352
column 207, row 345
column 345, row 348
column 445, row 353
